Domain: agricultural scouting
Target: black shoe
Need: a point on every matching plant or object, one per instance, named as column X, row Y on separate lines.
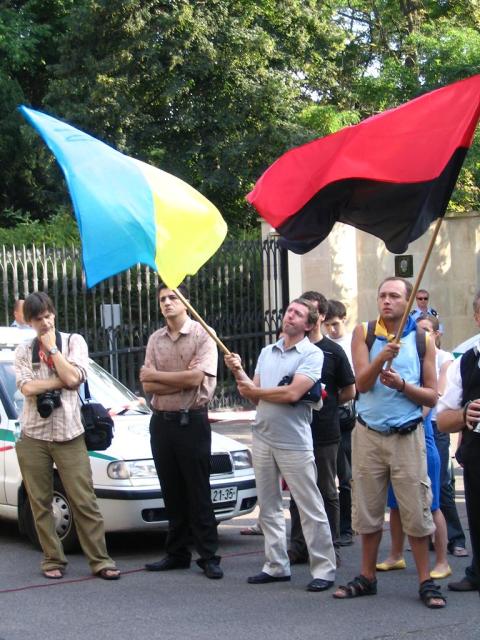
column 318, row 584
column 263, row 578
column 465, row 584
column 167, row 563
column 345, row 540
column 297, row 558
column 211, row 568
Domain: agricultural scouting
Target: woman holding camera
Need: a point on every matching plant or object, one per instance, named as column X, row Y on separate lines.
column 49, row 369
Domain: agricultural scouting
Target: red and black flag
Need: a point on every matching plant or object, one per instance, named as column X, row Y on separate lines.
column 391, row 175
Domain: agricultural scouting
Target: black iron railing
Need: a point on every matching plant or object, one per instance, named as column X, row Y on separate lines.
column 240, row 292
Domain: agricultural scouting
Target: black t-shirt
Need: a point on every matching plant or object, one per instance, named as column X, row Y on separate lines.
column 336, row 374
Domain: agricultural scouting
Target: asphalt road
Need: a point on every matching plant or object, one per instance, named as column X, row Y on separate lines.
column 184, row 604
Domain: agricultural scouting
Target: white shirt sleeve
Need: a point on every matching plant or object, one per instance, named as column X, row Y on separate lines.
column 452, row 398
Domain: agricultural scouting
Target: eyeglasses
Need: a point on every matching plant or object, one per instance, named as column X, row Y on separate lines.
column 422, row 298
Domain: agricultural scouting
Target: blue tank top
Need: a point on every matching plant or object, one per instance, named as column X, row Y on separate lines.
column 383, row 408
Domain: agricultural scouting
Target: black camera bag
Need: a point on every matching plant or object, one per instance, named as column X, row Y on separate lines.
column 97, row 423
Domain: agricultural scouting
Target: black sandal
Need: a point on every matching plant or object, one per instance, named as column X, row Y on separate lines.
column 359, row 586
column 430, row 591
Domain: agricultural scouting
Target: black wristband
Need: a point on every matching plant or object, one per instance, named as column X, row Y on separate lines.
column 402, row 388
column 465, row 408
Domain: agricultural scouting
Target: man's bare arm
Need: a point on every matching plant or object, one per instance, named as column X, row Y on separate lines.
column 346, row 394
column 452, row 420
column 366, row 372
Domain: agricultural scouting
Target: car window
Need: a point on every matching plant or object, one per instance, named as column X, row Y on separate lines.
column 13, row 402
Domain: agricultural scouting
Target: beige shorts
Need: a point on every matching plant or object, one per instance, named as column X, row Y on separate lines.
column 378, row 459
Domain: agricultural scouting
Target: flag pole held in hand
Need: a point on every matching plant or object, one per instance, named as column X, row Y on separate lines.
column 199, row 318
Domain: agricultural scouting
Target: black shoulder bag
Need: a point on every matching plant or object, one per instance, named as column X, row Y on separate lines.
column 97, row 423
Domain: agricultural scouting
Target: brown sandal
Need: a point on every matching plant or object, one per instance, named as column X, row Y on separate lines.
column 59, row 573
column 108, row 573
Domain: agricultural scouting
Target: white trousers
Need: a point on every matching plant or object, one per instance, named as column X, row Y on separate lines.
column 298, row 470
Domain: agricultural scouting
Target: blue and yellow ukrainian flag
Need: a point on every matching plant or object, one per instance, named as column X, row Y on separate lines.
column 130, row 212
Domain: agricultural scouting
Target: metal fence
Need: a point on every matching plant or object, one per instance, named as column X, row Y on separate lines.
column 240, row 292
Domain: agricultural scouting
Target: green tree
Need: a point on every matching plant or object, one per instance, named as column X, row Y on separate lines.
column 28, row 45
column 398, row 50
column 209, row 91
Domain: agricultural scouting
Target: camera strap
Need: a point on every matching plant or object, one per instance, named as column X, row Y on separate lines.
column 36, row 348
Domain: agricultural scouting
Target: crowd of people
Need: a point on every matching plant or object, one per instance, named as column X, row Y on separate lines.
column 381, row 451
column 377, row 435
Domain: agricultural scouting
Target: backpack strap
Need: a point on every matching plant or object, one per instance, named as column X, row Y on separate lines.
column 370, row 334
column 421, row 344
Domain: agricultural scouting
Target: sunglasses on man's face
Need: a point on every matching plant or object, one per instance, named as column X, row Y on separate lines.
column 422, row 298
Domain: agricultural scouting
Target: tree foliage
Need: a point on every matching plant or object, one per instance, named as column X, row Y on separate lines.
column 214, row 91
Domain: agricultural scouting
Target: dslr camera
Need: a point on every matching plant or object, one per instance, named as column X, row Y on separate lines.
column 47, row 402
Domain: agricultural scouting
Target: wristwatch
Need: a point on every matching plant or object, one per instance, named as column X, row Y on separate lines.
column 53, row 351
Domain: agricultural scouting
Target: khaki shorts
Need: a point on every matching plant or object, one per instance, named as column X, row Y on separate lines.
column 378, row 459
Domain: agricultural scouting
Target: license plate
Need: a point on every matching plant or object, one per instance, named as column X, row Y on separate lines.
column 225, row 494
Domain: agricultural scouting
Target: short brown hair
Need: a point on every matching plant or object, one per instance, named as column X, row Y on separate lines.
column 319, row 298
column 181, row 287
column 407, row 283
column 37, row 303
column 336, row 309
column 313, row 314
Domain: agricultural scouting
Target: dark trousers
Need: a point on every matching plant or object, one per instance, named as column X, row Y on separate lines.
column 344, row 473
column 456, row 535
column 182, row 459
column 326, row 463
column 471, row 481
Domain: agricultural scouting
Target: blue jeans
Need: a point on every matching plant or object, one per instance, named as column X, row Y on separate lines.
column 456, row 535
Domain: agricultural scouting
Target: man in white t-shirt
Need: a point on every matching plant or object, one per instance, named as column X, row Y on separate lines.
column 335, row 325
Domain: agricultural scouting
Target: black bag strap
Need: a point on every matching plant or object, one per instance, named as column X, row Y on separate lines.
column 370, row 337
column 36, row 347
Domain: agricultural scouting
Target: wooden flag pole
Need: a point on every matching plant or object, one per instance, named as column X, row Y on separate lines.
column 418, row 281
column 199, row 318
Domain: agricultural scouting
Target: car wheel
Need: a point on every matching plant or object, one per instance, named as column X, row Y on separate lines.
column 62, row 512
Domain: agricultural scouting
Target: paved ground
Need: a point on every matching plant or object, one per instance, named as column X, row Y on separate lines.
column 184, row 604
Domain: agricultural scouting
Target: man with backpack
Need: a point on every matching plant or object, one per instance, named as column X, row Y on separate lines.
column 388, row 440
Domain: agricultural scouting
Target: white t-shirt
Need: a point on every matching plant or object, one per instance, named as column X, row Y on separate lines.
column 346, row 343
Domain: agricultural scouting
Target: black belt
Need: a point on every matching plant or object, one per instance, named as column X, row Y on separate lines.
column 177, row 415
column 403, row 430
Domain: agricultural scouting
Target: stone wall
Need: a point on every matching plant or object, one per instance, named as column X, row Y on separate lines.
column 349, row 264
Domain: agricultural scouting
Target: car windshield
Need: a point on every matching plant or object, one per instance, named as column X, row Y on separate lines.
column 107, row 390
column 103, row 387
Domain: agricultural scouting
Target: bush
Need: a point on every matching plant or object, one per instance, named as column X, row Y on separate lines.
column 60, row 231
